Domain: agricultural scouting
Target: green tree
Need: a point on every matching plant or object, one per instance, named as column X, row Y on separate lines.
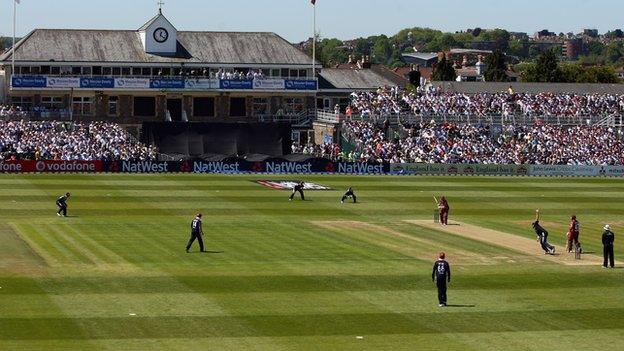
column 518, row 48
column 500, row 36
column 362, row 47
column 615, row 34
column 598, row 74
column 615, row 52
column 571, row 73
column 596, row 48
column 443, row 42
column 382, row 50
column 547, row 67
column 444, row 71
column 496, row 67
column 331, row 51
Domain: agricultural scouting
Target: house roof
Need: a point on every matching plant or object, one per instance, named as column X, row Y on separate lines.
column 149, row 23
column 425, row 56
column 64, row 45
column 352, row 79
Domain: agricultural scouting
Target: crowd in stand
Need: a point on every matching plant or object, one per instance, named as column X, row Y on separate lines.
column 68, row 142
column 430, row 101
column 9, row 111
column 330, row 151
column 476, row 144
column 239, row 75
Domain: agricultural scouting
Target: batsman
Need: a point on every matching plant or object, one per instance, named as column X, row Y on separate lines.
column 542, row 235
column 443, row 208
column 573, row 234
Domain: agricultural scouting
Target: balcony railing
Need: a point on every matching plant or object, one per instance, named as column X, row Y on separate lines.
column 516, row 119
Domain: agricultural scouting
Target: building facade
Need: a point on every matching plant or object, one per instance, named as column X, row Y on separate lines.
column 157, row 73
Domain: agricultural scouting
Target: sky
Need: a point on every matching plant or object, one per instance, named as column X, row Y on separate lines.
column 344, row 19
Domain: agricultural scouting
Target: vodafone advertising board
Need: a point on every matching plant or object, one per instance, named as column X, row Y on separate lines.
column 49, row 166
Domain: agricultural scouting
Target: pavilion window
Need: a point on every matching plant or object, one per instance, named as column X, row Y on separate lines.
column 112, row 105
column 82, row 106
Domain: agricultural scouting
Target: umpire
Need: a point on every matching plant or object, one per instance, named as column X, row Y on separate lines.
column 298, row 188
column 441, row 275
column 608, row 237
column 196, row 233
column 61, row 202
column 349, row 194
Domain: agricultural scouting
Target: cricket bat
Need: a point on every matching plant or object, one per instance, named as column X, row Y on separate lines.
column 537, row 215
column 436, row 200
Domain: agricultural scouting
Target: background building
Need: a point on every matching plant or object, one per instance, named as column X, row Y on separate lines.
column 157, row 73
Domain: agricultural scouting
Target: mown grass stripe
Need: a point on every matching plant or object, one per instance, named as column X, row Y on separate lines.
column 331, row 324
column 81, row 235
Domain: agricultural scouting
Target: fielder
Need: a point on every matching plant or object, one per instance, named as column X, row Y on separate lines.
column 573, row 235
column 298, row 188
column 196, row 233
column 441, row 275
column 542, row 235
column 61, row 202
column 349, row 194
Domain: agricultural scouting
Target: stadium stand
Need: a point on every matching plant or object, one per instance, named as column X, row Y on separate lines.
column 69, row 141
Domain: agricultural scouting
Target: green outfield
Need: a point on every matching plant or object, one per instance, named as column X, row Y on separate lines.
column 314, row 275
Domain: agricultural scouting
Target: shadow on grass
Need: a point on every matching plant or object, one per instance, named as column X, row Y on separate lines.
column 461, row 306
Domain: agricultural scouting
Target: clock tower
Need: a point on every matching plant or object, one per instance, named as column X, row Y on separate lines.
column 159, row 36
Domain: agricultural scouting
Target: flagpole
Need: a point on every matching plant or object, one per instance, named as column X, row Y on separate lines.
column 13, row 46
column 314, row 43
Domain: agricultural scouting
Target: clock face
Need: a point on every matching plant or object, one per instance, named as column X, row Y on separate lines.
column 161, row 35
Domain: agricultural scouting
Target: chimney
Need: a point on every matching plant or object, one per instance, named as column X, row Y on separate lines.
column 480, row 66
column 465, row 61
column 366, row 62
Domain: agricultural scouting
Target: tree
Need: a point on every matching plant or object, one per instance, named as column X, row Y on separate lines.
column 382, row 50
column 476, row 32
column 443, row 42
column 496, row 67
column 596, row 48
column 547, row 67
column 444, row 71
column 362, row 47
column 615, row 52
column 615, row 34
column 518, row 48
column 331, row 51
